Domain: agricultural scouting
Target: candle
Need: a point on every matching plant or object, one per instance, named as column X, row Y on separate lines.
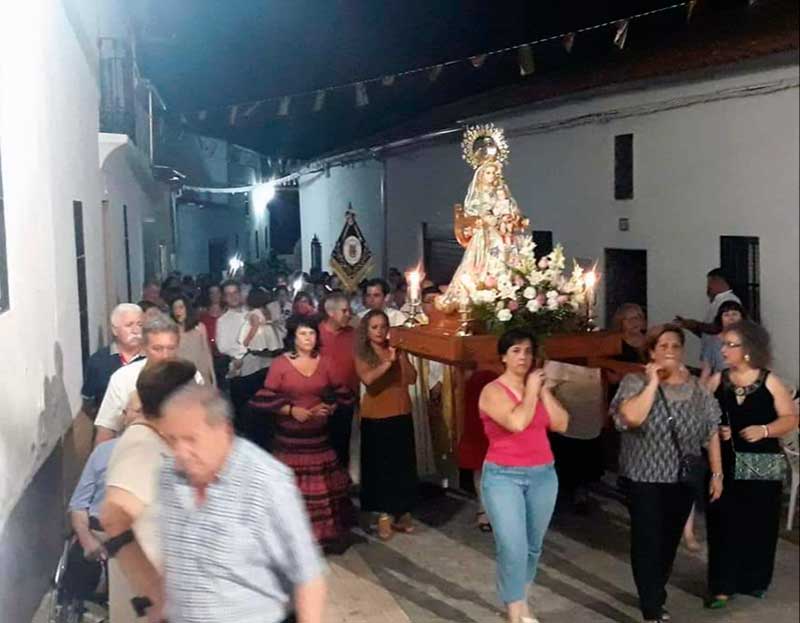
column 414, row 279
column 590, row 281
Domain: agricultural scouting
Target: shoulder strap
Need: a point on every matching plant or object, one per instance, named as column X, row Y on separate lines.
column 670, row 421
column 508, row 391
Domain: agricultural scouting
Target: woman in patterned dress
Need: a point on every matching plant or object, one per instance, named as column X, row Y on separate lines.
column 301, row 393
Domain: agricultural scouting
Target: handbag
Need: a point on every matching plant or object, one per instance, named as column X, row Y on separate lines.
column 691, row 467
column 757, row 465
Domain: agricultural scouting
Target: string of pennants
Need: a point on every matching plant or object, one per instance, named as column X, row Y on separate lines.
column 282, row 105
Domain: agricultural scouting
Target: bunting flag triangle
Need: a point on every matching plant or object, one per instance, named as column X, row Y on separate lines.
column 388, row 81
column 351, row 258
column 478, row 61
column 362, row 99
column 526, row 63
column 283, row 106
column 184, row 120
column 319, row 100
column 201, row 116
column 690, row 9
column 233, row 114
column 435, row 72
column 568, row 41
column 621, row 34
column 251, row 109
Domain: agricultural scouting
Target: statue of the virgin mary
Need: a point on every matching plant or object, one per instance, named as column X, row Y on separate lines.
column 489, row 225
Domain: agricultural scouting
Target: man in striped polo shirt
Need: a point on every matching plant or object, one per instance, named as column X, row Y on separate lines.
column 237, row 541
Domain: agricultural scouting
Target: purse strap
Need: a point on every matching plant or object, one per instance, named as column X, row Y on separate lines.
column 671, row 422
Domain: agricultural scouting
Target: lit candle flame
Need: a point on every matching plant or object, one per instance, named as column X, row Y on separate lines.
column 414, row 279
column 590, row 279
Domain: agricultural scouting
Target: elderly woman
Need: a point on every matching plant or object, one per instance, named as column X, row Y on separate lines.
column 519, row 484
column 757, row 409
column 388, row 456
column 301, row 392
column 665, row 416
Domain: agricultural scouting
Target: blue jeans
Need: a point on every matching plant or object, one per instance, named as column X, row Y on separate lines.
column 520, row 503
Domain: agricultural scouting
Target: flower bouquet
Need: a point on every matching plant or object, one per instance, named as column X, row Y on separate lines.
column 535, row 295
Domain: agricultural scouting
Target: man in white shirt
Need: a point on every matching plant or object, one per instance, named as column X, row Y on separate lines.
column 377, row 290
column 247, row 370
column 718, row 290
column 160, row 339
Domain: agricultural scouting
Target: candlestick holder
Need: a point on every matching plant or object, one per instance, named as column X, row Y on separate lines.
column 591, row 318
column 465, row 328
column 413, row 320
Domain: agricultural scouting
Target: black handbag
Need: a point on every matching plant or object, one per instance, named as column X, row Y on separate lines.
column 691, row 467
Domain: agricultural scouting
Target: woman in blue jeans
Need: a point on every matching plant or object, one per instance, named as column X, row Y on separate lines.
column 519, row 484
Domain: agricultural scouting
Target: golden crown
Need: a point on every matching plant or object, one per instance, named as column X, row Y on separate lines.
column 476, row 137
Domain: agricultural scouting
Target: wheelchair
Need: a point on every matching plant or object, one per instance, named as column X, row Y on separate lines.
column 77, row 581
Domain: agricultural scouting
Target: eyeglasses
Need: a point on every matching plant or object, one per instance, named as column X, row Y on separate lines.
column 731, row 345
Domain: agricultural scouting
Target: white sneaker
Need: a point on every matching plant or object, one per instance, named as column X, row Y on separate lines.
column 530, row 619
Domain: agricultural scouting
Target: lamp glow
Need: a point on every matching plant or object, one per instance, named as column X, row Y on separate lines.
column 261, row 196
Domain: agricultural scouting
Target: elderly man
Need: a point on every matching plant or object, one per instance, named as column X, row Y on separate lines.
column 131, row 503
column 237, row 541
column 377, row 291
column 125, row 348
column 160, row 338
column 337, row 341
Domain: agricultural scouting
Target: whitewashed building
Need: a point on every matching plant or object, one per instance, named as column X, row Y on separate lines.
column 82, row 214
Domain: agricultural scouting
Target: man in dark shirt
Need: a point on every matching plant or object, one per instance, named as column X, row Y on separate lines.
column 126, row 327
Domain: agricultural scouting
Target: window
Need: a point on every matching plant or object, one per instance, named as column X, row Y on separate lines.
column 623, row 166
column 544, row 243
column 266, row 238
column 739, row 260
column 127, row 251
column 80, row 256
column 4, row 302
column 255, row 240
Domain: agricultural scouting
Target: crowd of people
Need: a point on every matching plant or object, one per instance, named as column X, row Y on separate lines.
column 224, row 412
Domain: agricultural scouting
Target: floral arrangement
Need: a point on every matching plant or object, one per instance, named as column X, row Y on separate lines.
column 532, row 294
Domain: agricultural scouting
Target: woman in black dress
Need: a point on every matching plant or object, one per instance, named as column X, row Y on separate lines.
column 757, row 410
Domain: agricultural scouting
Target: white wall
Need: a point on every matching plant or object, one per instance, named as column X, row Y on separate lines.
column 724, row 167
column 323, row 201
column 196, row 226
column 50, row 157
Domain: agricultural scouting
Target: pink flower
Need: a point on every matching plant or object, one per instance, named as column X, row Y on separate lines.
column 513, row 306
column 519, row 281
column 542, row 299
column 544, row 263
column 490, row 282
column 562, row 298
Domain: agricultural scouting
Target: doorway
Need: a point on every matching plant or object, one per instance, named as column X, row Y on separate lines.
column 217, row 257
column 626, row 279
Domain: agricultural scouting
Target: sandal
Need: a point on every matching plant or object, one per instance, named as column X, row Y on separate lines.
column 384, row 527
column 484, row 526
column 403, row 524
column 717, row 602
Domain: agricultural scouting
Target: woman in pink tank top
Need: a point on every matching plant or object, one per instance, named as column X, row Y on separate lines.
column 519, row 484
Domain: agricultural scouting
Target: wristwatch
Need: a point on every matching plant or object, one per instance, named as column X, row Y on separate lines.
column 717, row 475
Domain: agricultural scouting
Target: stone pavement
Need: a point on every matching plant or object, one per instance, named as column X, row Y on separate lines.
column 444, row 573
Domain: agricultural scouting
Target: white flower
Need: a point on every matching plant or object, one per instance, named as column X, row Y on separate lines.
column 504, row 315
column 506, row 289
column 551, row 295
column 529, row 293
column 533, row 306
column 552, row 304
column 484, row 296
